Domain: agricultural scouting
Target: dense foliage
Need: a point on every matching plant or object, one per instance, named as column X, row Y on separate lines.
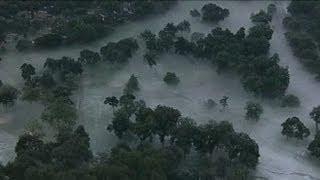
column 213, row 12
column 294, row 128
column 246, row 54
column 70, row 22
column 254, row 110
column 171, row 78
column 303, row 32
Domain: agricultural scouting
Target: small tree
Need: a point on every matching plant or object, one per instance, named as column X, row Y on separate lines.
column 171, row 78
column 214, row 13
column 132, row 85
column 290, row 101
column 224, row 102
column 293, row 127
column 112, row 101
column 315, row 115
column 254, row 110
column 314, row 146
column 8, row 94
column 27, row 70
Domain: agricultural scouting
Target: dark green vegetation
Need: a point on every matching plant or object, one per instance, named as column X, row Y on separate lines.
column 214, row 13
column 171, row 78
column 314, row 146
column 254, row 111
column 245, row 54
column 290, row 101
column 132, row 85
column 89, row 57
column 303, row 32
column 294, row 128
column 8, row 94
column 69, row 22
column 134, row 119
column 119, row 52
column 315, row 116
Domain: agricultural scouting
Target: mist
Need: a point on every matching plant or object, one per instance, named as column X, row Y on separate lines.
column 280, row 158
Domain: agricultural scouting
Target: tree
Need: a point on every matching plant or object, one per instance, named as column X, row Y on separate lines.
column 150, row 57
column 144, row 123
column 261, row 31
column 171, row 78
column 120, row 51
column 254, row 110
column 294, row 128
column 314, row 146
column 166, row 119
column 183, row 46
column 315, row 116
column 74, row 151
column 290, row 100
column 132, row 85
column 195, row 13
column 224, row 102
column 89, row 57
column 60, row 115
column 48, row 41
column 184, row 26
column 272, row 8
column 27, row 70
column 261, row 17
column 47, row 81
column 210, row 103
column 182, row 136
column 244, row 149
column 120, row 122
column 214, row 13
column 112, row 101
column 8, row 94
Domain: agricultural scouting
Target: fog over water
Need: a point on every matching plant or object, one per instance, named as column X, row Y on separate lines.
column 280, row 158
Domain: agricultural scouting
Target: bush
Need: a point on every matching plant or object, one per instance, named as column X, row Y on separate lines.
column 171, row 78
column 290, row 101
column 214, row 13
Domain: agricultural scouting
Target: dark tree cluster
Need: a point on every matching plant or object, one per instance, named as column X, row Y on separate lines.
column 132, row 85
column 254, row 110
column 62, row 159
column 8, row 94
column 70, row 22
column 134, row 118
column 261, row 17
column 89, row 57
column 294, row 128
column 171, row 78
column 303, row 32
column 119, row 52
column 246, row 54
column 290, row 100
column 214, row 13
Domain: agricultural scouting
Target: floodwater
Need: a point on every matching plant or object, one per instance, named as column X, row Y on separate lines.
column 280, row 158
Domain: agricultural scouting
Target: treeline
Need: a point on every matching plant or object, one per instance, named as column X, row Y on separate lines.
column 69, row 22
column 303, row 32
column 246, row 54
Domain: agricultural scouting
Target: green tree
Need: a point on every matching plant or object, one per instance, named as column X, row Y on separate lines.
column 8, row 95
column 314, row 146
column 290, row 101
column 315, row 116
column 132, row 85
column 214, row 13
column 27, row 70
column 224, row 102
column 294, row 128
column 166, row 119
column 171, row 78
column 254, row 110
column 59, row 114
column 120, row 124
column 112, row 101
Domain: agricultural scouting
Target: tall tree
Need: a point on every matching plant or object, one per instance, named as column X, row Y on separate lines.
column 315, row 116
